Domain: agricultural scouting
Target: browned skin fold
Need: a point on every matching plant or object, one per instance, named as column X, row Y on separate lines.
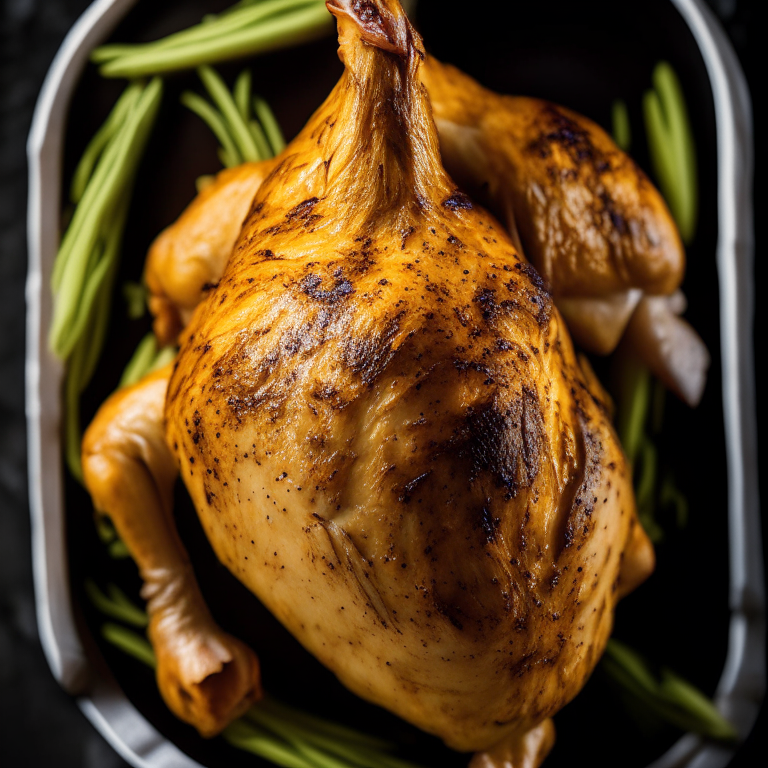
column 206, row 677
column 380, row 418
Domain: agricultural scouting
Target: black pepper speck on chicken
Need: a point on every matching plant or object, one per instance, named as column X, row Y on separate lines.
column 387, row 436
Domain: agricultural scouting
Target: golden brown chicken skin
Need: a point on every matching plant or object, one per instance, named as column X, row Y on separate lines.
column 387, row 435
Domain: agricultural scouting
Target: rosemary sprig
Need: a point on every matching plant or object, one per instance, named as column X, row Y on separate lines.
column 245, row 30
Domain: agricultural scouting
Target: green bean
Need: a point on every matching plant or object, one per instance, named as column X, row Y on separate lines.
column 130, row 642
column 140, row 361
column 164, row 356
column 216, row 123
column 309, row 722
column 128, row 145
column 99, row 326
column 145, row 359
column 71, row 242
column 681, row 138
column 672, row 699
column 97, row 194
column 218, row 27
column 631, row 663
column 94, row 282
column 120, row 598
column 303, row 739
column 226, row 104
column 105, row 530
column 85, row 167
column 645, row 489
column 118, row 550
column 661, row 150
column 321, row 759
column 135, row 295
column 91, row 314
column 306, row 23
column 260, row 742
column 121, row 609
column 671, row 145
column 332, row 739
column 226, row 159
column 634, row 402
column 270, row 125
column 622, row 132
column 263, row 148
column 694, row 702
column 242, row 94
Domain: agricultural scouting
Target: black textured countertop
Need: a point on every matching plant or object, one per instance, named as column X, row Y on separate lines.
column 39, row 724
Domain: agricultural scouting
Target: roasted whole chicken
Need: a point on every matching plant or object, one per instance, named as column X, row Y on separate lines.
column 388, row 437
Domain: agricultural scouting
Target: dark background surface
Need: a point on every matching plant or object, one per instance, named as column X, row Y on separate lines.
column 39, row 724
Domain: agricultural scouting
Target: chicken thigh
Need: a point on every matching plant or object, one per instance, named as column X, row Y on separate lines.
column 387, row 436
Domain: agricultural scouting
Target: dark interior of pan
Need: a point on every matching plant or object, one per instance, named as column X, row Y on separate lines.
column 583, row 56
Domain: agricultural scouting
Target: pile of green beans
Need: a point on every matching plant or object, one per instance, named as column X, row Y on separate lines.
column 249, row 28
column 87, row 260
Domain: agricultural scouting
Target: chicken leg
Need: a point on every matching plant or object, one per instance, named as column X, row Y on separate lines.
column 206, row 677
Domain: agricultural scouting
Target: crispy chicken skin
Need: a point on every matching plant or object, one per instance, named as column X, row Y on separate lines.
column 387, row 436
